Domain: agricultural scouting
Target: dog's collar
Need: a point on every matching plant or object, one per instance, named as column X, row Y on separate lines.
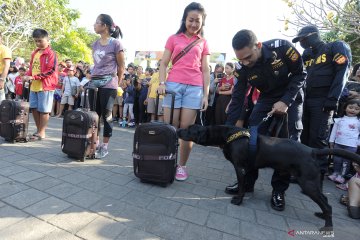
column 239, row 134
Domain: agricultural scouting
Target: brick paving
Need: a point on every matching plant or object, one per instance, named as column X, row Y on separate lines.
column 45, row 195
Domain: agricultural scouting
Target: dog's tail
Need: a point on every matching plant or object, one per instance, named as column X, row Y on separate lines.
column 338, row 152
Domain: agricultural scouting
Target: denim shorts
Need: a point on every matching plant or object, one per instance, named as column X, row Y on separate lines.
column 42, row 101
column 186, row 96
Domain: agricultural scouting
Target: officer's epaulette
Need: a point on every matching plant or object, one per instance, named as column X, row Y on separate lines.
column 275, row 43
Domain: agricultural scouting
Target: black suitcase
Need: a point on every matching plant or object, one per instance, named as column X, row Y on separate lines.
column 155, row 150
column 80, row 129
column 14, row 120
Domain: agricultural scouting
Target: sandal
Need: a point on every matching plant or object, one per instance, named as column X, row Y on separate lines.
column 344, row 200
column 342, row 186
column 34, row 138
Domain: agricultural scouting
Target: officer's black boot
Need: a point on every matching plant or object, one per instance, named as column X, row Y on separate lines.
column 278, row 201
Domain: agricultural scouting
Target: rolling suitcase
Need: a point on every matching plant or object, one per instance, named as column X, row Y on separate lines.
column 80, row 129
column 155, row 150
column 14, row 121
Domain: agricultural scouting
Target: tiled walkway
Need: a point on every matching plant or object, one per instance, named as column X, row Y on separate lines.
column 45, row 195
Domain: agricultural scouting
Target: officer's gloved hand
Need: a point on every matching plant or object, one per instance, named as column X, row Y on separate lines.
column 330, row 105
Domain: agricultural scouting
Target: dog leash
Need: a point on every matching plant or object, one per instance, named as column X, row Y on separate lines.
column 264, row 119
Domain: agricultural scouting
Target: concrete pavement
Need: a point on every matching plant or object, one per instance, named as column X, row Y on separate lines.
column 45, row 195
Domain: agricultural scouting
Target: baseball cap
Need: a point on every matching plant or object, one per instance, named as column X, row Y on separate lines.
column 305, row 32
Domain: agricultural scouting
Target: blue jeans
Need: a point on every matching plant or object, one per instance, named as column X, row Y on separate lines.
column 280, row 180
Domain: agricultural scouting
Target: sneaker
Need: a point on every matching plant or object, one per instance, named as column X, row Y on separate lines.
column 339, row 179
column 332, row 177
column 131, row 124
column 181, row 174
column 123, row 123
column 101, row 153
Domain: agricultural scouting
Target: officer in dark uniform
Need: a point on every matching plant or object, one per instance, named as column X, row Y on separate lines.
column 327, row 66
column 275, row 68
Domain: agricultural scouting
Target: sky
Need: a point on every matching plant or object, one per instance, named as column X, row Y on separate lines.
column 146, row 24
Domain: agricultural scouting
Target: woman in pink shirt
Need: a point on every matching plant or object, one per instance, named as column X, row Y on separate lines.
column 189, row 76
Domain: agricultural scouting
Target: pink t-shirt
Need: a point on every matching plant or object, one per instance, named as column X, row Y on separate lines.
column 188, row 69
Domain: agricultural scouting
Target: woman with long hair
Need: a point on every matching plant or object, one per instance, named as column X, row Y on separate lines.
column 188, row 78
column 109, row 67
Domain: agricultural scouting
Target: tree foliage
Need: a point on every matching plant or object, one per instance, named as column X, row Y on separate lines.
column 75, row 45
column 18, row 18
column 337, row 19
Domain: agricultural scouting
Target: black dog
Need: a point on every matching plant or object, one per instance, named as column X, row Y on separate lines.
column 277, row 153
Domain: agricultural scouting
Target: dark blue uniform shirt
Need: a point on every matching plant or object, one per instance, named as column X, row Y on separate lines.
column 278, row 74
column 327, row 70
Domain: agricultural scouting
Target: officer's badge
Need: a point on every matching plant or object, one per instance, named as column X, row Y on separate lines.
column 340, row 59
column 253, row 77
column 293, row 55
column 276, row 64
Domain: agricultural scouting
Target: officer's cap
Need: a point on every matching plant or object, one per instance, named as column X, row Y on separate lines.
column 305, row 32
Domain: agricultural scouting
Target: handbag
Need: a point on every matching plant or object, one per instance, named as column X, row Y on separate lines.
column 73, row 89
column 100, row 81
column 185, row 50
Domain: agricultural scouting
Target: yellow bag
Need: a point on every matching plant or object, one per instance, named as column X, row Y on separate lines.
column 120, row 91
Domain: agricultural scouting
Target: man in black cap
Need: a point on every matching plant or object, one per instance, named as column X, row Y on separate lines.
column 327, row 66
column 275, row 68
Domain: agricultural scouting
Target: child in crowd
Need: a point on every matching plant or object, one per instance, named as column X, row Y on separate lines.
column 142, row 89
column 57, row 94
column 43, row 76
column 84, row 83
column 118, row 106
column 129, row 103
column 151, row 98
column 19, row 82
column 345, row 135
column 70, row 81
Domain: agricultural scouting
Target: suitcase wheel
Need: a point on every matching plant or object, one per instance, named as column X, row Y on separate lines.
column 82, row 159
column 144, row 181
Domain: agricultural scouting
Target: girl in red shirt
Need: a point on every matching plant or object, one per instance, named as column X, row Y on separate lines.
column 19, row 82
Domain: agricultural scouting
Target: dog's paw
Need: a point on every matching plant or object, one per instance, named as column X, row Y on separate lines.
column 320, row 215
column 236, row 200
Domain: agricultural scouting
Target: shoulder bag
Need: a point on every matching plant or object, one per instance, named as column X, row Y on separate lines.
column 185, row 50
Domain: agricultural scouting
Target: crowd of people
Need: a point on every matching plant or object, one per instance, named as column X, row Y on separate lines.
column 270, row 78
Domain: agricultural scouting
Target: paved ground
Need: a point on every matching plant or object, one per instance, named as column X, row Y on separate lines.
column 45, row 195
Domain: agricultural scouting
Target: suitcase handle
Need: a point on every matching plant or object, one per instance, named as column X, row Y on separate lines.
column 172, row 105
column 87, row 89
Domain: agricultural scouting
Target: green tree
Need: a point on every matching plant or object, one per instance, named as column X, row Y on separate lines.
column 75, row 45
column 337, row 19
column 18, row 18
